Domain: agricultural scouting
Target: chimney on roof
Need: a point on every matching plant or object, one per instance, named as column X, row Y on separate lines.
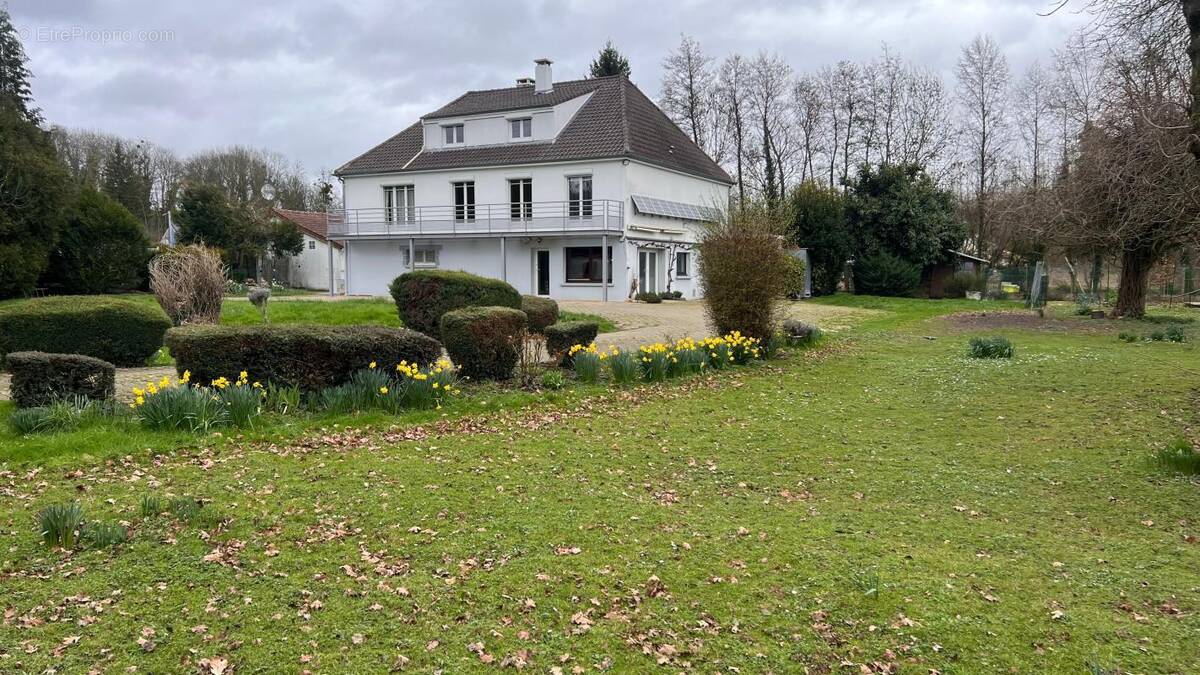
column 543, row 80
column 524, row 81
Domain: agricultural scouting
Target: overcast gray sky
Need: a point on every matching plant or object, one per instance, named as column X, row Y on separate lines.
column 323, row 81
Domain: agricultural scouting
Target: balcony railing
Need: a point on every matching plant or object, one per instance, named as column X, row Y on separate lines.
column 539, row 218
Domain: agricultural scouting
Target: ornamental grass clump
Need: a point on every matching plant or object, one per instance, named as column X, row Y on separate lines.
column 990, row 348
column 586, row 362
column 623, row 367
column 59, row 524
column 66, row 414
column 152, row 506
column 1179, row 457
column 105, row 535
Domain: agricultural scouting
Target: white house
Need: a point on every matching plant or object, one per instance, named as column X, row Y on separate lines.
column 310, row 268
column 581, row 189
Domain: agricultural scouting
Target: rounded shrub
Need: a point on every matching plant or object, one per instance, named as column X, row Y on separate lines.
column 304, row 356
column 885, row 274
column 122, row 332
column 484, row 342
column 650, row 298
column 541, row 312
column 560, row 337
column 103, row 248
column 793, row 280
column 40, row 379
column 423, row 296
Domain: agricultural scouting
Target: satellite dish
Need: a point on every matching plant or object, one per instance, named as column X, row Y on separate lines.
column 268, row 192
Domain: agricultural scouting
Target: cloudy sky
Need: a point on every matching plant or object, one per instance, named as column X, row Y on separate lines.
column 323, row 81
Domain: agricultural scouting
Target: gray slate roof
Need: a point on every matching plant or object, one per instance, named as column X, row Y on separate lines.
column 618, row 121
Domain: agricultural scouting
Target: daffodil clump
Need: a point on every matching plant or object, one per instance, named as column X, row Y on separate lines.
column 661, row 360
column 407, row 386
column 586, row 362
column 183, row 404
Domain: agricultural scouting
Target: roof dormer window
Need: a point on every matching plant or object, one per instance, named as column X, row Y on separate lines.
column 521, row 128
column 454, row 134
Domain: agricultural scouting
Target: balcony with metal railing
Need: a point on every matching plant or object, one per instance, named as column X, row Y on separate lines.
column 479, row 220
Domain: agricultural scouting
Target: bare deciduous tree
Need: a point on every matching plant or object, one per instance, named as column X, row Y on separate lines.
column 687, row 91
column 983, row 80
column 732, row 83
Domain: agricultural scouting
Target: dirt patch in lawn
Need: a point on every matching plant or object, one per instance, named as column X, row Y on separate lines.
column 1026, row 320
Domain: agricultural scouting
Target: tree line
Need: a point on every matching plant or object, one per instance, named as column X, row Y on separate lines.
column 80, row 211
column 1089, row 155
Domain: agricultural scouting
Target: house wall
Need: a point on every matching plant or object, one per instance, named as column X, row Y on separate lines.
column 652, row 181
column 374, row 264
column 310, row 269
column 491, row 184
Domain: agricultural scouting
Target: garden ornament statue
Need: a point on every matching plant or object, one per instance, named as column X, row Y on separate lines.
column 258, row 297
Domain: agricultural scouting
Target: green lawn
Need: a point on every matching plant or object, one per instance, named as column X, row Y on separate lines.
column 879, row 500
column 352, row 311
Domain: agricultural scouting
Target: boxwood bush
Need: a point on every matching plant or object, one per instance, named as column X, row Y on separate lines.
column 541, row 312
column 122, row 332
column 423, row 296
column 40, row 379
column 305, row 356
column 484, row 342
column 561, row 336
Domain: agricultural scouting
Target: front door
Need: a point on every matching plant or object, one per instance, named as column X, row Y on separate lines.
column 647, row 271
column 541, row 272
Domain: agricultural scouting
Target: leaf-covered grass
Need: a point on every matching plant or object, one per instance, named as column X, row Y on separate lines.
column 882, row 498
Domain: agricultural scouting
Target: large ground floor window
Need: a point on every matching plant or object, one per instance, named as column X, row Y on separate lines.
column 583, row 264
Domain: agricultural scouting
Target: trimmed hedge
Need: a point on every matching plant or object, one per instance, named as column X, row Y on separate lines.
column 122, row 332
column 484, row 342
column 310, row 357
column 423, row 296
column 649, row 298
column 40, row 379
column 542, row 312
column 561, row 336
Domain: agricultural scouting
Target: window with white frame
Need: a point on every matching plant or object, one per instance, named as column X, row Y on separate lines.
column 579, row 196
column 522, row 128
column 464, row 201
column 454, row 134
column 312, row 245
column 683, row 264
column 423, row 256
column 520, row 198
column 398, row 204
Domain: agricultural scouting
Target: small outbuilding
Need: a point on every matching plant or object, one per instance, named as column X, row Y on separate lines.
column 934, row 277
